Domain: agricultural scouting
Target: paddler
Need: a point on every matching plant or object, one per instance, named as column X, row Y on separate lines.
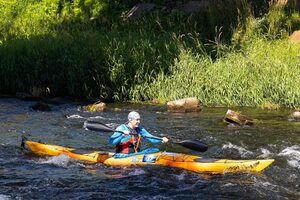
column 128, row 137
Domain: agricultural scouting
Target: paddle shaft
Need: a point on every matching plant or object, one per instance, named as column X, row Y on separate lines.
column 195, row 145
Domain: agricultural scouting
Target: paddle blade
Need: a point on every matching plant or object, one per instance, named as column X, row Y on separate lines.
column 97, row 126
column 195, row 145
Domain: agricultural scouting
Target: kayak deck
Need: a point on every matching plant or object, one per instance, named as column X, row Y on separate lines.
column 183, row 161
column 55, row 150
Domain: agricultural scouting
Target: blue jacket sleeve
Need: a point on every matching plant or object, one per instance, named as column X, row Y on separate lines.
column 149, row 136
column 118, row 137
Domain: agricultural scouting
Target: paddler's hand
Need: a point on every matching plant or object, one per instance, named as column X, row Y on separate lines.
column 126, row 133
column 165, row 140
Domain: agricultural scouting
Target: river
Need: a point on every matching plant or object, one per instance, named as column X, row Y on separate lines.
column 25, row 176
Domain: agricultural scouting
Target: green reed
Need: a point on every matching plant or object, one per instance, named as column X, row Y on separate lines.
column 264, row 72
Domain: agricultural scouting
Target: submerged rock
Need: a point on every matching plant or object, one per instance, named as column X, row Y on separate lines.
column 58, row 100
column 41, row 106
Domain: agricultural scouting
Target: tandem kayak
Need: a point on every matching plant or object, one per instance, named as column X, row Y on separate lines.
column 188, row 162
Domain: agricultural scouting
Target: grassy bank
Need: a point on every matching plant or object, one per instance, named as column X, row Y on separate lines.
column 88, row 49
column 263, row 73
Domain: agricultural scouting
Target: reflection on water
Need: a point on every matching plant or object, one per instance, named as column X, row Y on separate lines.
column 26, row 176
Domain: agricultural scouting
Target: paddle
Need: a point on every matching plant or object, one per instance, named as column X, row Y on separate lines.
column 195, row 144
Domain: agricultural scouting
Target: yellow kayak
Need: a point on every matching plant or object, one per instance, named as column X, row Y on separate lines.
column 183, row 161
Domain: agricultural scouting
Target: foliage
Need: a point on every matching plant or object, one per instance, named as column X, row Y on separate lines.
column 89, row 49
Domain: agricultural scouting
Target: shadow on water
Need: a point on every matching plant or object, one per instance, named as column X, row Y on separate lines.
column 26, row 176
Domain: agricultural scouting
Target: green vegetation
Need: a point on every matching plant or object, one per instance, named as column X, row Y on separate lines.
column 89, row 49
column 264, row 72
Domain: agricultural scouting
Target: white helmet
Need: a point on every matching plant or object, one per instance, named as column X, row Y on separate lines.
column 133, row 115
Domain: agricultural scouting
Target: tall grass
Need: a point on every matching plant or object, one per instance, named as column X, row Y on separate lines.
column 265, row 72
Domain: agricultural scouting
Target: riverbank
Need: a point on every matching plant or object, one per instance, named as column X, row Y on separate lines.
column 91, row 51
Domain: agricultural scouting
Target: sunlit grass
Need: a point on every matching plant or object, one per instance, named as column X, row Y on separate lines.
column 264, row 73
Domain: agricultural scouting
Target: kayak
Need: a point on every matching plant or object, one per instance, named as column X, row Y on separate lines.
column 188, row 162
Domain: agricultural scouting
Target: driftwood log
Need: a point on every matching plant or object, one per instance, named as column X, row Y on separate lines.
column 233, row 117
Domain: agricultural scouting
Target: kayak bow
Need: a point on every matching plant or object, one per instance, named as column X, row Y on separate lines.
column 183, row 161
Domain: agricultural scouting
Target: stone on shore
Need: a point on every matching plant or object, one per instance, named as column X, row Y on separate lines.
column 296, row 115
column 295, row 37
column 191, row 104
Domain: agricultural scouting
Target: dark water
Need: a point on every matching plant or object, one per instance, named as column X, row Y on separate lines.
column 26, row 176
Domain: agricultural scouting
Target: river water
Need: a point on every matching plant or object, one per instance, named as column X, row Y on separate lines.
column 27, row 176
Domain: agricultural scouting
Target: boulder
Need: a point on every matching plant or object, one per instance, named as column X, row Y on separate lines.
column 191, row 104
column 233, row 117
column 295, row 37
column 296, row 115
column 96, row 107
column 156, row 101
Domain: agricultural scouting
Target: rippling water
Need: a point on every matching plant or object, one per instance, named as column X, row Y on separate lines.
column 26, row 176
